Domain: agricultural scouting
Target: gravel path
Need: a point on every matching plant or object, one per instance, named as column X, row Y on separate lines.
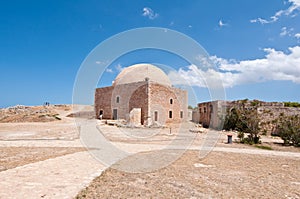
column 61, row 177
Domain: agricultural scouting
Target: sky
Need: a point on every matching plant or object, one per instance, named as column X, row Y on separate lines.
column 253, row 44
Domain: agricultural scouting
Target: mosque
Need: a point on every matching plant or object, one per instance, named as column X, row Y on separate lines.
column 142, row 94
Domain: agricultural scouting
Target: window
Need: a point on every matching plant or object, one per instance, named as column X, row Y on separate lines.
column 171, row 101
column 181, row 114
column 170, row 114
column 118, row 99
column 200, row 110
column 204, row 109
column 211, row 109
column 155, row 116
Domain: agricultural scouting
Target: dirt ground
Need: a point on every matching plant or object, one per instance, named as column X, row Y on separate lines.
column 242, row 172
column 219, row 175
column 11, row 157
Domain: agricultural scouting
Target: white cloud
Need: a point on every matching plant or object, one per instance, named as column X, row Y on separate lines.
column 109, row 70
column 260, row 20
column 119, row 67
column 285, row 31
column 297, row 35
column 221, row 24
column 148, row 12
column 100, row 62
column 276, row 65
column 290, row 11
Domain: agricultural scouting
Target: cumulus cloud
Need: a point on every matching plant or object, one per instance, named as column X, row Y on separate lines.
column 276, row 65
column 297, row 35
column 286, row 31
column 290, row 11
column 148, row 12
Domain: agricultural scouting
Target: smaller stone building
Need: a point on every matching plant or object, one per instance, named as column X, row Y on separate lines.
column 142, row 94
column 212, row 114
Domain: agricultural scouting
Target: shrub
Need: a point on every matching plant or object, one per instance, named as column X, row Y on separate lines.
column 288, row 129
column 291, row 104
column 246, row 121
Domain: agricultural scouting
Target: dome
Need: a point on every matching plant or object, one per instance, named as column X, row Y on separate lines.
column 142, row 72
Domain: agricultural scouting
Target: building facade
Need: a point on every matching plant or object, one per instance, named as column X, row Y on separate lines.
column 212, row 114
column 142, row 94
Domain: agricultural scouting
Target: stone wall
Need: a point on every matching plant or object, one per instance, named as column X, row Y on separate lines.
column 167, row 104
column 140, row 99
column 196, row 116
column 212, row 114
column 124, row 93
column 159, row 104
column 103, row 102
column 135, row 116
column 269, row 116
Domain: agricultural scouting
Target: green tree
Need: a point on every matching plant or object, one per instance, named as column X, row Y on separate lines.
column 288, row 129
column 190, row 107
column 244, row 120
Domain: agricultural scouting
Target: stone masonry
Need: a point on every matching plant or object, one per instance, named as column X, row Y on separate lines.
column 212, row 114
column 160, row 103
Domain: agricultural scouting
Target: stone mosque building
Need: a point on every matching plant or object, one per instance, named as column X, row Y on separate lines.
column 142, row 94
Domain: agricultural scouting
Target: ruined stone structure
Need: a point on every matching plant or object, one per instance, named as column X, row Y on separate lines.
column 212, row 114
column 142, row 94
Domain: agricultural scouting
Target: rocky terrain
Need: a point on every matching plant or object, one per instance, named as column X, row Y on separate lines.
column 22, row 113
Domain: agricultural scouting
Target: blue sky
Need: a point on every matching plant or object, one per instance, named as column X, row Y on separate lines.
column 254, row 43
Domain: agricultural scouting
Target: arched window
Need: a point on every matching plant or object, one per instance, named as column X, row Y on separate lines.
column 118, row 99
column 171, row 101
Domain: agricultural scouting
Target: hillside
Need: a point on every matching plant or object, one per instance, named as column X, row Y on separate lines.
column 22, row 113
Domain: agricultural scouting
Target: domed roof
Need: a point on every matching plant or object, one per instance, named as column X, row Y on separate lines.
column 142, row 72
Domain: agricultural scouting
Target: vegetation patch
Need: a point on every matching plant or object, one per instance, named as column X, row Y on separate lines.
column 263, row 147
column 292, row 104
